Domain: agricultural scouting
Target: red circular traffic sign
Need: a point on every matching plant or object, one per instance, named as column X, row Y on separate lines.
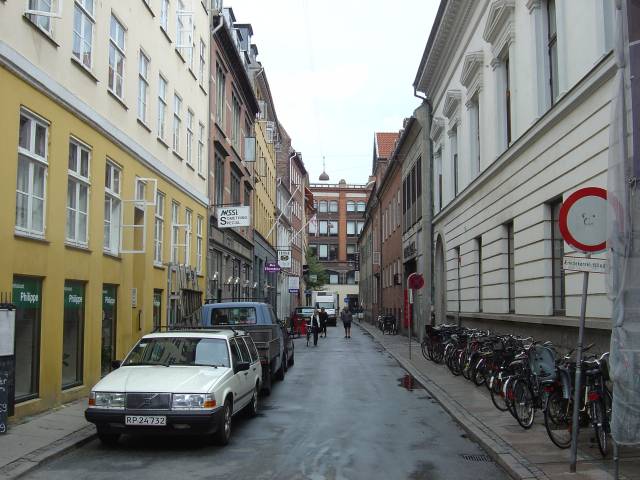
column 415, row 281
column 583, row 219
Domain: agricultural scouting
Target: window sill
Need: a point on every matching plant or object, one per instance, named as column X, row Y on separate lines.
column 166, row 145
column 80, row 248
column 180, row 55
column 73, row 386
column 203, row 89
column 201, row 175
column 191, row 166
column 166, row 35
column 159, row 266
column 31, row 237
column 153, row 15
column 144, row 125
column 114, row 256
column 117, row 99
column 193, row 74
column 177, row 155
column 83, row 68
column 47, row 36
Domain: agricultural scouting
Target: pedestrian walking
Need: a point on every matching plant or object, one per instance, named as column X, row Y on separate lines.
column 346, row 318
column 324, row 317
column 315, row 326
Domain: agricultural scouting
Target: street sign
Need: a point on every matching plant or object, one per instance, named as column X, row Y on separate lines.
column 415, row 281
column 284, row 258
column 229, row 217
column 583, row 264
column 346, row 299
column 271, row 267
column 583, row 219
column 313, row 277
column 294, row 284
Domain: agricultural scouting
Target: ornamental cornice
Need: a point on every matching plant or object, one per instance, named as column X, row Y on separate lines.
column 451, row 103
column 471, row 76
column 500, row 14
column 437, row 127
column 532, row 5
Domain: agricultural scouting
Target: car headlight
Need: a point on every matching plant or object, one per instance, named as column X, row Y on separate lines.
column 107, row 400
column 193, row 401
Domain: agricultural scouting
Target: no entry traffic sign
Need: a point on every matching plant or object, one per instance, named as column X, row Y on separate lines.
column 583, row 219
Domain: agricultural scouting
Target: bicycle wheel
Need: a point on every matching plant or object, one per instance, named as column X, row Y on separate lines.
column 425, row 348
column 465, row 364
column 497, row 397
column 478, row 372
column 438, row 352
column 597, row 412
column 523, row 404
column 557, row 419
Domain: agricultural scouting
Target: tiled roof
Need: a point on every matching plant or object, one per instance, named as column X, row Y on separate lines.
column 385, row 141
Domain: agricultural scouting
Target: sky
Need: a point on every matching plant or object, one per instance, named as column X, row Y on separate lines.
column 339, row 70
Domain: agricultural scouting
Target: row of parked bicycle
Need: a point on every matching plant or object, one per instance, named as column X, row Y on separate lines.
column 524, row 376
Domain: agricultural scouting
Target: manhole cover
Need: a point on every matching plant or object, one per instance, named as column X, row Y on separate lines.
column 477, row 458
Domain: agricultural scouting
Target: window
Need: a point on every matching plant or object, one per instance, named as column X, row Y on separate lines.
column 479, row 247
column 201, row 148
column 454, row 159
column 188, row 216
column 164, row 15
column 333, row 252
column 557, row 252
column 362, row 206
column 116, row 58
column 323, row 227
column 199, row 243
column 109, row 322
column 162, row 107
column 351, row 206
column 438, row 179
column 177, row 121
column 314, row 249
column 220, row 95
column 507, row 103
column 351, row 252
column 175, row 230
column 360, row 226
column 42, row 21
column 511, row 268
column 78, row 194
column 219, row 179
column 143, row 86
column 333, row 227
column 334, row 278
column 203, row 64
column 189, row 137
column 474, row 125
column 552, row 50
column 235, row 122
column 323, row 206
column 112, row 208
column 157, row 309
column 333, row 206
column 323, row 251
column 235, row 189
column 458, row 259
column 313, row 227
column 32, row 175
column 83, row 22
column 27, row 297
column 73, row 334
column 351, row 228
column 158, row 235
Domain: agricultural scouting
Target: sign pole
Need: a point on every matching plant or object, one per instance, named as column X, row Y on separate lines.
column 578, row 378
column 410, row 318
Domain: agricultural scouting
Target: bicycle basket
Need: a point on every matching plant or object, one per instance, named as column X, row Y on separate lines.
column 542, row 362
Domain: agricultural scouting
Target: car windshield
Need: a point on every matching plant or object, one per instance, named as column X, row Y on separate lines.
column 185, row 351
column 325, row 305
column 304, row 312
column 233, row 316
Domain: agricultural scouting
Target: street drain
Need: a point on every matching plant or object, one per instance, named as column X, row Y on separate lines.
column 477, row 458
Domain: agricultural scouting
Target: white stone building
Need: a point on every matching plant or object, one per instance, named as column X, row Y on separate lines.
column 520, row 93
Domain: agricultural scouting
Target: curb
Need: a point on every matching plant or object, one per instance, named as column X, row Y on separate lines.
column 33, row 460
column 518, row 467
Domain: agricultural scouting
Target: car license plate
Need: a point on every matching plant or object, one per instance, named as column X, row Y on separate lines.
column 146, row 420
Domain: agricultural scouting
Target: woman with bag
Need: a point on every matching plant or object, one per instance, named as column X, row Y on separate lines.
column 315, row 326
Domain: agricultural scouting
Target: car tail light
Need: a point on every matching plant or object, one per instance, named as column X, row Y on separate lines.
column 593, row 396
column 548, row 388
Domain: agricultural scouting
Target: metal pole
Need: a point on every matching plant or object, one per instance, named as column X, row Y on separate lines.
column 616, row 460
column 576, row 394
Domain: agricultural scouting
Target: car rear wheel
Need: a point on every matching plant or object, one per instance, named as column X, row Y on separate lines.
column 253, row 405
column 280, row 371
column 223, row 433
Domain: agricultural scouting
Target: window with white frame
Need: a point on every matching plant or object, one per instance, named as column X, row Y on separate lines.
column 552, row 51
column 333, row 206
column 158, row 234
column 39, row 19
column 362, row 206
column 351, row 228
column 188, row 214
column 83, row 23
column 116, row 57
column 203, row 64
column 162, row 107
column 454, row 159
column 220, row 95
column 177, row 122
column 143, row 86
column 175, row 230
column 201, row 137
column 199, row 243
column 474, row 134
column 235, row 121
column 32, row 175
column 78, row 194
column 189, row 136
column 360, row 226
column 112, row 208
column 351, row 206
column 164, row 15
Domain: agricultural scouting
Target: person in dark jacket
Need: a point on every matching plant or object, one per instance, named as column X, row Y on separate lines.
column 315, row 327
column 324, row 317
column 346, row 318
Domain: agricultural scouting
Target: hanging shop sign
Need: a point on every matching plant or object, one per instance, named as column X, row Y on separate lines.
column 271, row 267
column 284, row 258
column 229, row 217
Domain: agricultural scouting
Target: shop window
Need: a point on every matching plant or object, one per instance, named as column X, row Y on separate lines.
column 27, row 297
column 73, row 334
column 109, row 316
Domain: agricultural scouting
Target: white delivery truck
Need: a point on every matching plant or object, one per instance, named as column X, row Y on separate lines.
column 328, row 301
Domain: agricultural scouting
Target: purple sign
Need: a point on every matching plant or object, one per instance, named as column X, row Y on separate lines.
column 271, row 267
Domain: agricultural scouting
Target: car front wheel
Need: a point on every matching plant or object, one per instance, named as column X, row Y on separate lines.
column 253, row 405
column 223, row 433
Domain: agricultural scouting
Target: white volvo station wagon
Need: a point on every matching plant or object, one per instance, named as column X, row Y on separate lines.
column 178, row 382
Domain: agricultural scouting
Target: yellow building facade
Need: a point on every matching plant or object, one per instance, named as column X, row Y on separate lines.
column 265, row 185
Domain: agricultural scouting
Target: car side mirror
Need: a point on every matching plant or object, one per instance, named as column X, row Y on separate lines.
column 241, row 367
column 116, row 364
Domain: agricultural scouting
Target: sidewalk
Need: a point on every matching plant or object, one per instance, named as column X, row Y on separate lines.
column 33, row 440
column 525, row 454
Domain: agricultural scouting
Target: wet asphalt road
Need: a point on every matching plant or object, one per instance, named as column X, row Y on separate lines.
column 342, row 412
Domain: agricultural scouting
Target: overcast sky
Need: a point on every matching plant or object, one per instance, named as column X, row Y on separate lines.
column 339, row 70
